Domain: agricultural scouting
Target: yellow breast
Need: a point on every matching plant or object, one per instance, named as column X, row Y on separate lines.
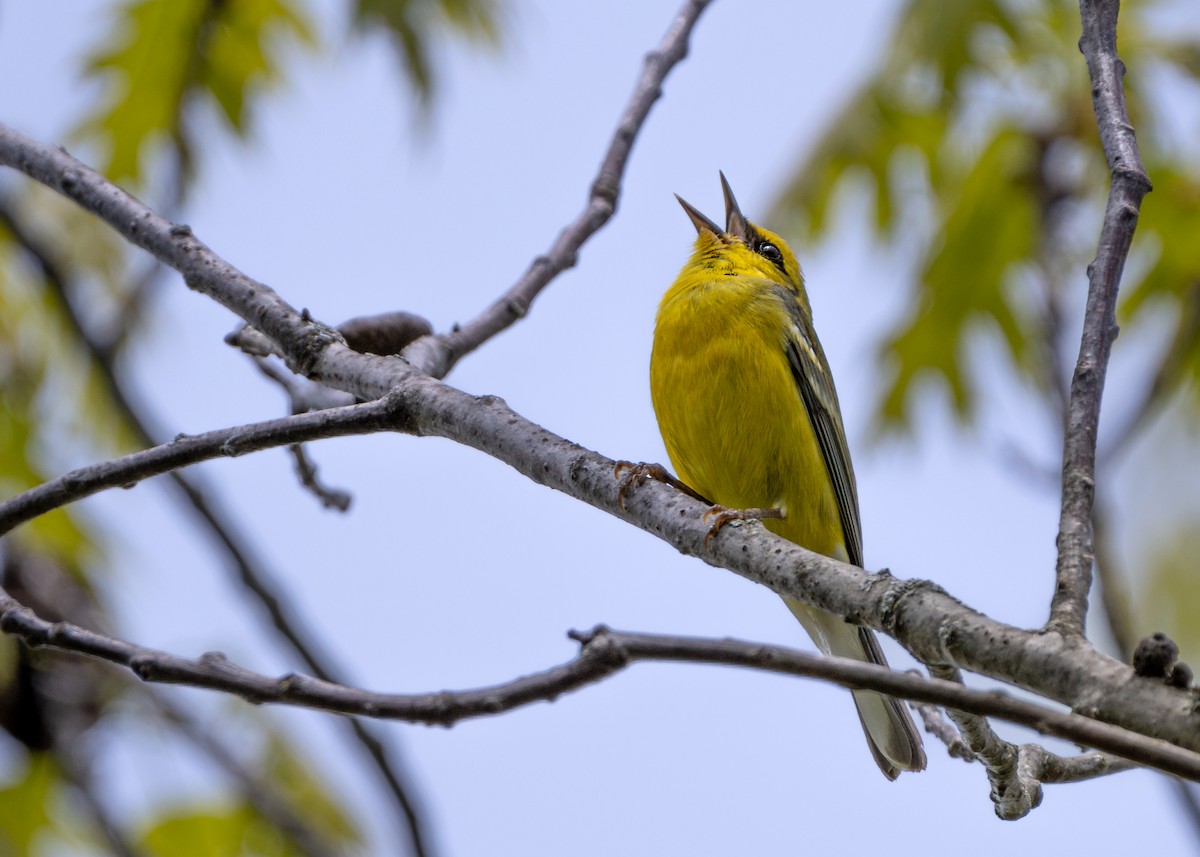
column 729, row 409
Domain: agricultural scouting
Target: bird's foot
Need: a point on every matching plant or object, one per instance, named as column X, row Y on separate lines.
column 635, row 475
column 720, row 516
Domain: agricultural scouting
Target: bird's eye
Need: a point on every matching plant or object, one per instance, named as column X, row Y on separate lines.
column 770, row 252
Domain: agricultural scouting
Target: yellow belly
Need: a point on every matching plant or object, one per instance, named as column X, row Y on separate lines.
column 730, row 412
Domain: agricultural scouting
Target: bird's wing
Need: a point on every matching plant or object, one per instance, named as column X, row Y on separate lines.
column 811, row 373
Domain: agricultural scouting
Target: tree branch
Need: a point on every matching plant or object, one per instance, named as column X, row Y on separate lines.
column 283, row 619
column 1013, row 795
column 942, row 729
column 1068, row 608
column 128, row 470
column 604, row 652
column 436, row 356
column 1017, row 773
column 306, row 468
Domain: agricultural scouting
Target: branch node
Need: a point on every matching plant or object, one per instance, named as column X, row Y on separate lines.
column 215, row 660
column 145, row 667
column 584, row 638
column 607, row 187
column 518, row 306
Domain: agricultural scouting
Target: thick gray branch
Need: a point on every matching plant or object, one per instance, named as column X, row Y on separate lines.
column 1068, row 609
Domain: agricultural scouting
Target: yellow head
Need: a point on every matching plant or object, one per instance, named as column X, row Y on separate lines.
column 742, row 248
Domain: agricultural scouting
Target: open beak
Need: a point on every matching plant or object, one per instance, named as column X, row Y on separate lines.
column 698, row 220
column 735, row 223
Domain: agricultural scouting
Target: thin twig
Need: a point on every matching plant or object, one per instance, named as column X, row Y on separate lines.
column 937, row 726
column 436, row 356
column 1068, row 608
column 306, row 468
column 1189, row 801
column 1013, row 795
column 303, row 395
column 128, row 470
column 1017, row 773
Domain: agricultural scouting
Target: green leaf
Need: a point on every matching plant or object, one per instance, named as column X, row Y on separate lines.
column 414, row 25
column 25, row 805
column 965, row 282
column 957, row 137
column 238, row 56
column 164, row 53
column 863, row 141
column 216, row 831
column 942, row 35
column 146, row 72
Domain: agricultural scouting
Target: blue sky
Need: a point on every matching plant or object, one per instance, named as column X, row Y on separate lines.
column 451, row 571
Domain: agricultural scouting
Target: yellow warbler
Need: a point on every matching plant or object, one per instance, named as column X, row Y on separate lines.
column 748, row 412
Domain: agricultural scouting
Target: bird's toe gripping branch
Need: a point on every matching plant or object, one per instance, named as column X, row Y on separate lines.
column 634, row 475
column 720, row 516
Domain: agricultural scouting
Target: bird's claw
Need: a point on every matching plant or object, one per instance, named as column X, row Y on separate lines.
column 635, row 475
column 721, row 516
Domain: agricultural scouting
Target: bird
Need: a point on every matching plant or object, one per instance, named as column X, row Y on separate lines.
column 747, row 409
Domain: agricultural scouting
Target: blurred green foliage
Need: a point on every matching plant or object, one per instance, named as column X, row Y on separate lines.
column 30, row 807
column 166, row 69
column 1172, row 590
column 415, row 24
column 975, row 136
column 977, row 140
column 234, row 828
column 163, row 54
column 162, row 57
